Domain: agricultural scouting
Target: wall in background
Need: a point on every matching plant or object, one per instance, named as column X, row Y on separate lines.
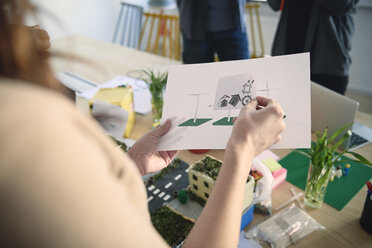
column 361, row 53
column 97, row 19
column 92, row 18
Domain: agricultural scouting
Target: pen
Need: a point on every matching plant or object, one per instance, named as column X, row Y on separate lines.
column 260, row 107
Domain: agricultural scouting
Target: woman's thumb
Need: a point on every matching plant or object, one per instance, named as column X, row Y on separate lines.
column 162, row 129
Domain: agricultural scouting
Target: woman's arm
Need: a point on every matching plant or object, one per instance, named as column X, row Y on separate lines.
column 254, row 131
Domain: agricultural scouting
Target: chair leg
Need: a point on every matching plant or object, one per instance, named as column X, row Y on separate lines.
column 165, row 35
column 130, row 26
column 252, row 34
column 171, row 39
column 178, row 40
column 125, row 25
column 137, row 28
column 148, row 48
column 142, row 32
column 156, row 50
column 118, row 24
column 260, row 31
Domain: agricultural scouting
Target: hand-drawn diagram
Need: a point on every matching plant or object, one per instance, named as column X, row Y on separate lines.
column 267, row 89
column 235, row 99
column 195, row 121
column 233, row 92
column 202, row 100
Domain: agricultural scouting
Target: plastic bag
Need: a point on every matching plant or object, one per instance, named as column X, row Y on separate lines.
column 284, row 228
column 262, row 194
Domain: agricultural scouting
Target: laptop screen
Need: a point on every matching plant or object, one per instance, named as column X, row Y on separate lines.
column 330, row 109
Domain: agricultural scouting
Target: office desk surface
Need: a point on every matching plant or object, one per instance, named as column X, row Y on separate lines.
column 102, row 61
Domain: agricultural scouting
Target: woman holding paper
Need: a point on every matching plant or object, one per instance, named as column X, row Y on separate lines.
column 63, row 183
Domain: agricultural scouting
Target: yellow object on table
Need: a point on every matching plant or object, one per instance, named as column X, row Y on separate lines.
column 122, row 97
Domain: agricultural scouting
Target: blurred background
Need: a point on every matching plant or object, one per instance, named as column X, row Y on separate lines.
column 97, row 19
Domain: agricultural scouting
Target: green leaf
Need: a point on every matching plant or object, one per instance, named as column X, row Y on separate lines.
column 305, row 153
column 335, row 134
column 335, row 160
column 340, row 142
column 323, row 137
column 361, row 159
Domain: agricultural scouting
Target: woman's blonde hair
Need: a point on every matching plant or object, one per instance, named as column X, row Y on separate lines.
column 19, row 55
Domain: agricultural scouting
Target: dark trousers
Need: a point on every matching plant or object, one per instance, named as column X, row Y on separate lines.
column 335, row 83
column 228, row 45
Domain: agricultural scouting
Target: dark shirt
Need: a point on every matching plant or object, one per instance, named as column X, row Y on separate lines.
column 328, row 37
column 220, row 15
column 193, row 14
column 298, row 19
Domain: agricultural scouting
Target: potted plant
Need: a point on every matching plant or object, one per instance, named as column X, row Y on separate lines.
column 156, row 83
column 323, row 156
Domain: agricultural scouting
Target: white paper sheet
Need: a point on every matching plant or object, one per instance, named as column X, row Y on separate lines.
column 141, row 93
column 190, row 100
column 75, row 82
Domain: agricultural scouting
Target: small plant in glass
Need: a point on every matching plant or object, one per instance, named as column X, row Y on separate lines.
column 323, row 156
column 156, row 83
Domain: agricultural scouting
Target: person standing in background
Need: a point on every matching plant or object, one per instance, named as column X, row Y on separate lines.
column 213, row 27
column 322, row 27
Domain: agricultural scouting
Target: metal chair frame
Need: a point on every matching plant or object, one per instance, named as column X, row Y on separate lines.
column 256, row 8
column 163, row 35
column 130, row 22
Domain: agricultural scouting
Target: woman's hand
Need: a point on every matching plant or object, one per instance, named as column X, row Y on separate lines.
column 258, row 126
column 144, row 153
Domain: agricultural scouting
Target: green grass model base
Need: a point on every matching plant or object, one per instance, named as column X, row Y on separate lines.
column 172, row 226
column 225, row 121
column 192, row 123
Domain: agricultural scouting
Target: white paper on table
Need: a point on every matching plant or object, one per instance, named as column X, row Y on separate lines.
column 141, row 93
column 111, row 117
column 191, row 92
column 74, row 82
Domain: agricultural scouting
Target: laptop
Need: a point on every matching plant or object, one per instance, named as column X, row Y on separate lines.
column 333, row 110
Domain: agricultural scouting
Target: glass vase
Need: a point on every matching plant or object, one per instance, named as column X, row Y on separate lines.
column 316, row 185
column 157, row 110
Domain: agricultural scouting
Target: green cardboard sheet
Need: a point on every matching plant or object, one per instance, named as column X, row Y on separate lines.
column 340, row 191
